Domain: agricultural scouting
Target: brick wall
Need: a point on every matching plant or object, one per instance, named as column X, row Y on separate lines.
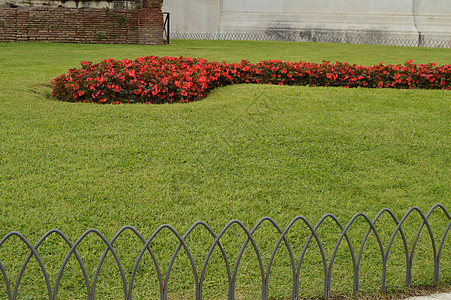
column 82, row 25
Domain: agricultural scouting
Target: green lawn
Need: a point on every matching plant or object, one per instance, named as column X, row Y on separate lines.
column 244, row 152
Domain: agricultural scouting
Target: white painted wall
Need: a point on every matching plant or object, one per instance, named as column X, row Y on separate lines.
column 194, row 16
column 316, row 6
column 433, row 17
column 313, row 19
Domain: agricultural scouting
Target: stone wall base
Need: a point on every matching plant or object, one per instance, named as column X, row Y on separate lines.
column 150, row 26
column 82, row 25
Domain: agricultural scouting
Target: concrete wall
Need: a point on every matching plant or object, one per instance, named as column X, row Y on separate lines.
column 374, row 21
column 194, row 16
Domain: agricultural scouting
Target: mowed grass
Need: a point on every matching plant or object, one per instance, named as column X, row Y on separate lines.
column 244, row 152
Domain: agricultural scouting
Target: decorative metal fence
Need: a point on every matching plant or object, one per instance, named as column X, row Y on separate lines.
column 438, row 245
column 166, row 27
column 444, row 42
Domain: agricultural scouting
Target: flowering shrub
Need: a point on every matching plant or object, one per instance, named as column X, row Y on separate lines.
column 167, row 79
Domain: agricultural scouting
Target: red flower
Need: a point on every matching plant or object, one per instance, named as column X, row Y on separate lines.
column 166, row 79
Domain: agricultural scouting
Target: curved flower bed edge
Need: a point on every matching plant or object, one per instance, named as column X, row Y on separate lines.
column 157, row 80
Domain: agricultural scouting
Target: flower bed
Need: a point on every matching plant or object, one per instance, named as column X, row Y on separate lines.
column 168, row 79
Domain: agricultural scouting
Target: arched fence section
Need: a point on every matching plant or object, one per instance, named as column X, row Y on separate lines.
column 437, row 239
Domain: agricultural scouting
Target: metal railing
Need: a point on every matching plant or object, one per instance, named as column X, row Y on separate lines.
column 199, row 271
column 166, row 27
column 444, row 42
